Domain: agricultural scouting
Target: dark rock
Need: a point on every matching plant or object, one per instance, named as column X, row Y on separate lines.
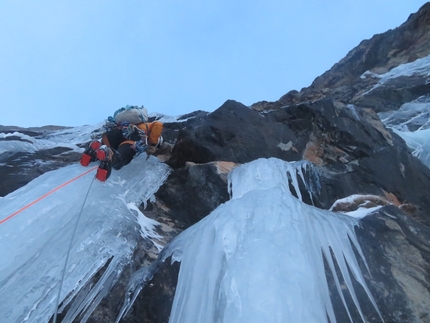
column 356, row 154
column 31, row 131
column 394, row 93
column 154, row 302
column 233, row 133
column 172, row 129
column 353, row 133
column 192, row 192
column 394, row 170
column 397, row 251
column 397, row 275
column 18, row 169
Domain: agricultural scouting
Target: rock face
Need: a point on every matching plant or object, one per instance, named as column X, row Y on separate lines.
column 397, row 250
column 17, row 168
column 357, row 154
column 344, row 82
column 233, row 133
column 333, row 124
column 354, row 154
column 204, row 184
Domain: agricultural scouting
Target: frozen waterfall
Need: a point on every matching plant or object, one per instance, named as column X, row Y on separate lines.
column 38, row 221
column 260, row 256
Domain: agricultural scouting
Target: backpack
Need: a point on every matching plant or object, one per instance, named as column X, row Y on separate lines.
column 130, row 114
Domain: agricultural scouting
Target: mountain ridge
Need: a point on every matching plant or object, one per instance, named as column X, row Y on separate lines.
column 379, row 54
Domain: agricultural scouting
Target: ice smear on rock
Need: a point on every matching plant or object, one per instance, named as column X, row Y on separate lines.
column 419, row 142
column 420, row 66
column 412, row 123
column 260, row 256
column 69, row 138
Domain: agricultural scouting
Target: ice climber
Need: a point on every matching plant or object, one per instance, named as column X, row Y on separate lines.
column 127, row 134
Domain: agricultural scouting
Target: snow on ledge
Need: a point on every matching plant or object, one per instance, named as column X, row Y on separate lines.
column 359, row 205
column 420, row 67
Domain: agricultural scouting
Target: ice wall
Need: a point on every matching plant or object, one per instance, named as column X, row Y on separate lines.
column 259, row 257
column 34, row 242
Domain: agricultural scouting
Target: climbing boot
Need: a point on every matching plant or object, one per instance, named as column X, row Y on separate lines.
column 104, row 154
column 89, row 154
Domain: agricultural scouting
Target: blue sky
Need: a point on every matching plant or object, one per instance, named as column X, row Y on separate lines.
column 75, row 62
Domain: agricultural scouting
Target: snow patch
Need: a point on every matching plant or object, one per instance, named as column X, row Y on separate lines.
column 168, row 119
column 285, row 147
column 147, row 225
column 362, row 212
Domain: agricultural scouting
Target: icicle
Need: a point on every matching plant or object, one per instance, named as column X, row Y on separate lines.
column 87, row 304
column 260, row 256
column 135, row 285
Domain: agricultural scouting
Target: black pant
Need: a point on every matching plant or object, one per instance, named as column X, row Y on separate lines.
column 123, row 153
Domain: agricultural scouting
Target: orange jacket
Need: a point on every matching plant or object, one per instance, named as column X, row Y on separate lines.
column 152, row 129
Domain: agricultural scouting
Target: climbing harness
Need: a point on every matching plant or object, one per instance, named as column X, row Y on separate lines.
column 128, row 129
column 140, row 147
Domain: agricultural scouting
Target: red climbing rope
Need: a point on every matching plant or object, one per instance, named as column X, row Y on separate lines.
column 45, row 195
